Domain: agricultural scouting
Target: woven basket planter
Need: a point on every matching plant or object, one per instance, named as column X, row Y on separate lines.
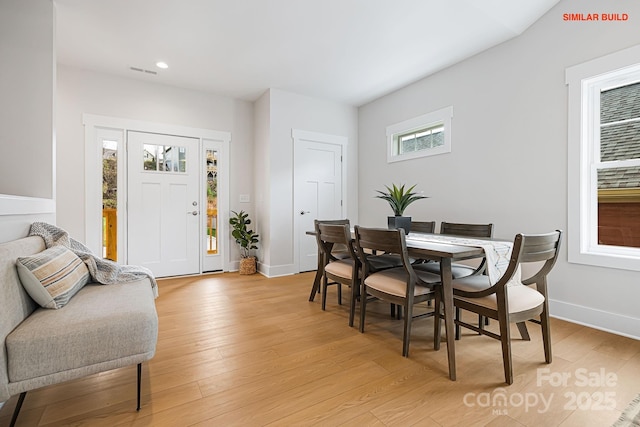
column 248, row 265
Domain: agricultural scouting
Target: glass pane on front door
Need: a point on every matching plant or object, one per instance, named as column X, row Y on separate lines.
column 164, row 158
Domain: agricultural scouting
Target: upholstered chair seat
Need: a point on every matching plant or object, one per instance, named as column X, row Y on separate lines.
column 341, row 268
column 519, row 297
column 394, row 282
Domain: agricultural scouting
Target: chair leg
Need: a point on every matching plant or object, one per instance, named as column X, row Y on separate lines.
column 339, row 293
column 363, row 306
column 437, row 328
column 546, row 333
column 524, row 333
column 324, row 293
column 352, row 305
column 16, row 411
column 406, row 335
column 139, row 384
column 505, row 339
column 396, row 311
column 457, row 314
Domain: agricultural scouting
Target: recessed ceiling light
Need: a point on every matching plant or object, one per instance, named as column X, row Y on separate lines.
column 162, row 65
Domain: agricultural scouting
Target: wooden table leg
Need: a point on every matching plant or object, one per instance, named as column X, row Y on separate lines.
column 316, row 280
column 447, row 299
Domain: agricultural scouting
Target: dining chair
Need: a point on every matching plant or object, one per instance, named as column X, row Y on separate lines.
column 339, row 271
column 423, row 226
column 510, row 300
column 401, row 286
column 459, row 270
column 379, row 261
column 339, row 251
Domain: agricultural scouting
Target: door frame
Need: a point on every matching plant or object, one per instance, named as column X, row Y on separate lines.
column 93, row 176
column 298, row 136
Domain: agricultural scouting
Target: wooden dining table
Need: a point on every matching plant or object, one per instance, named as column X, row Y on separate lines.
column 420, row 247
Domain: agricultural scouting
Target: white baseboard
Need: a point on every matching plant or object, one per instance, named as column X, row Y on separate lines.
column 605, row 321
column 276, row 270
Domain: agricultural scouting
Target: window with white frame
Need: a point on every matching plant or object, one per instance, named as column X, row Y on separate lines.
column 426, row 135
column 604, row 161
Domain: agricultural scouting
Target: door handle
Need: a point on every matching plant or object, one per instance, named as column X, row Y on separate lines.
column 304, row 212
column 194, row 213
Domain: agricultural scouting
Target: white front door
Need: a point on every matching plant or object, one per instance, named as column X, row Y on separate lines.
column 317, row 188
column 163, row 203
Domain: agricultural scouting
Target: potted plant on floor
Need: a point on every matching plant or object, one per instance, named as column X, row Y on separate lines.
column 246, row 239
column 399, row 198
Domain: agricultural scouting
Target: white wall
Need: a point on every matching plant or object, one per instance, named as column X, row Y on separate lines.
column 81, row 91
column 508, row 163
column 289, row 111
column 27, row 88
column 262, row 177
column 27, row 78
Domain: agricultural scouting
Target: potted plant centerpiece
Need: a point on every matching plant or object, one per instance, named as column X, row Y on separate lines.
column 399, row 199
column 246, row 239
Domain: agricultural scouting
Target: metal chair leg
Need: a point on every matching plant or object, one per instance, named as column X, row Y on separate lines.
column 139, row 381
column 16, row 411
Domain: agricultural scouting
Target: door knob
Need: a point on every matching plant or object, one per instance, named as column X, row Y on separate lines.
column 304, row 212
column 194, row 213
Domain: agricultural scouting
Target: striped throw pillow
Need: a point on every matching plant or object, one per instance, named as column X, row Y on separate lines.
column 52, row 276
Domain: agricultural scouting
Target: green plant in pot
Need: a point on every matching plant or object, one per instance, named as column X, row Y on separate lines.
column 246, row 239
column 399, row 199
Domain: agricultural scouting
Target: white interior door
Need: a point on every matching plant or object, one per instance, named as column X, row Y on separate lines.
column 163, row 203
column 317, row 188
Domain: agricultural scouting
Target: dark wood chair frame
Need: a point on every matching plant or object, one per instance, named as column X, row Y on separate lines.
column 526, row 249
column 328, row 236
column 468, row 230
column 393, row 242
column 338, row 252
column 428, row 227
column 423, row 226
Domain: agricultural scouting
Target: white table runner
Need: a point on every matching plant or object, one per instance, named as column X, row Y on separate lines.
column 497, row 253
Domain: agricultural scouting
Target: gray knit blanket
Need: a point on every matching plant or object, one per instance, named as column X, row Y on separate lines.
column 102, row 270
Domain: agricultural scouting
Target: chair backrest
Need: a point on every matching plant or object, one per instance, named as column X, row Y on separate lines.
column 331, row 234
column 380, row 240
column 529, row 248
column 423, row 226
column 317, row 222
column 330, row 221
column 467, row 230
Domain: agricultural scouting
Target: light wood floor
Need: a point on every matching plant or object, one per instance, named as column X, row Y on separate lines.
column 249, row 351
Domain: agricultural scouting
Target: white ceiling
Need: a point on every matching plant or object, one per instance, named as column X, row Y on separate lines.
column 349, row 51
